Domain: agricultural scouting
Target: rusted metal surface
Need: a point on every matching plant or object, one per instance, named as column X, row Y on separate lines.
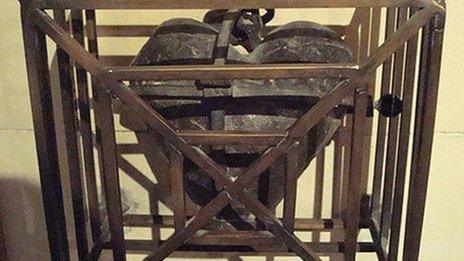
column 220, row 126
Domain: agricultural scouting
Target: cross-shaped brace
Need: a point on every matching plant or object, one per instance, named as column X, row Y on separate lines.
column 235, row 190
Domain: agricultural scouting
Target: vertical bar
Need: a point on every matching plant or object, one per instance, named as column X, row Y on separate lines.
column 352, row 37
column 337, row 173
column 382, row 125
column 270, row 258
column 106, row 144
column 342, row 138
column 364, row 34
column 264, row 182
column 35, row 48
column 352, row 33
column 337, row 236
column 291, row 179
column 71, row 156
column 347, row 135
column 364, row 45
column 91, row 22
column 154, row 211
column 392, row 140
column 403, row 149
column 235, row 258
column 370, row 34
column 352, row 216
column 107, row 151
column 217, row 115
column 85, row 128
column 177, row 184
column 431, row 54
column 318, row 191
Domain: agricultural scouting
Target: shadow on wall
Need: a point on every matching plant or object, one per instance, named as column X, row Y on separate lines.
column 3, row 254
column 22, row 219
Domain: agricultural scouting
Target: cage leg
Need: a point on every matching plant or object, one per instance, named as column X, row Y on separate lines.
column 263, row 193
column 352, row 215
column 432, row 44
column 44, row 130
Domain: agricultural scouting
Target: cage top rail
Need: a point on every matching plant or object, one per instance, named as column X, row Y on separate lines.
column 350, row 71
column 220, row 4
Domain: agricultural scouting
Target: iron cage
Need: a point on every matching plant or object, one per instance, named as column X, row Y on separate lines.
column 409, row 62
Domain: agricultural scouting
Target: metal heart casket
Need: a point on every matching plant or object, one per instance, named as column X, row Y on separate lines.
column 242, row 105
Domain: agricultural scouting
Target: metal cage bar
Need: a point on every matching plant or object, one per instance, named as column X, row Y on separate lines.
column 236, row 4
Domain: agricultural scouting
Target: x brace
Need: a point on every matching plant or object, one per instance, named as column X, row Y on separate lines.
column 231, row 190
column 235, row 190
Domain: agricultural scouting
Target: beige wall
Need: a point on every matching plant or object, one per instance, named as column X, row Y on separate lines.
column 20, row 198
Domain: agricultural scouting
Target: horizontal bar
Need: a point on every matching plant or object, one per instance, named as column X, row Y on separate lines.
column 237, row 91
column 220, row 4
column 301, row 224
column 231, row 138
column 116, row 60
column 240, row 91
column 230, row 72
column 205, row 251
column 125, row 30
column 339, row 29
column 147, row 30
column 238, row 238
